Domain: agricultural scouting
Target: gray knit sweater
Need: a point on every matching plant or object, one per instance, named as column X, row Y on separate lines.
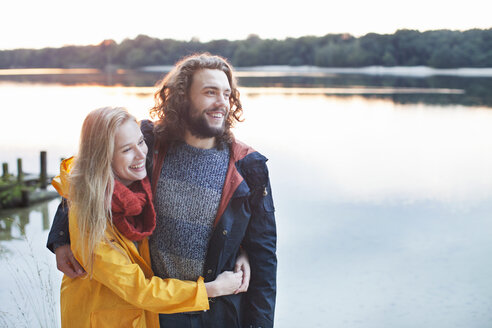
column 186, row 202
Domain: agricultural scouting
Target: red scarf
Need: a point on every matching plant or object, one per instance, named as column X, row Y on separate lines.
column 132, row 209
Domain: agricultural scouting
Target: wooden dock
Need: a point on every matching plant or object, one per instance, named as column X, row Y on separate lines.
column 25, row 189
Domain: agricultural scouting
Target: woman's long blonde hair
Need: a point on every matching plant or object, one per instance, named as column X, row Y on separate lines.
column 92, row 179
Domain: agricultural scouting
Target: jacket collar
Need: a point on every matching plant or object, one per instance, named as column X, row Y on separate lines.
column 233, row 178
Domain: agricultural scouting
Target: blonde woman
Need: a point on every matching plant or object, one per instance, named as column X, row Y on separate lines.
column 110, row 217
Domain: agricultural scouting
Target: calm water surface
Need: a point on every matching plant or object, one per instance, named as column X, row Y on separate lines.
column 383, row 198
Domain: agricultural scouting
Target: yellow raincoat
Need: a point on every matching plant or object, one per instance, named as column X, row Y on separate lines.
column 123, row 291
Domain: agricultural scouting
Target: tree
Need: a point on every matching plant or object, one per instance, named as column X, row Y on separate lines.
column 441, row 48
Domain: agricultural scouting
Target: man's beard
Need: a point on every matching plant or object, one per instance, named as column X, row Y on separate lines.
column 199, row 127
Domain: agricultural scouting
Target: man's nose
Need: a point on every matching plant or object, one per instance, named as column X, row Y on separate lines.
column 222, row 100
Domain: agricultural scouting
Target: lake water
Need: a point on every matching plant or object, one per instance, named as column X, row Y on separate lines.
column 382, row 186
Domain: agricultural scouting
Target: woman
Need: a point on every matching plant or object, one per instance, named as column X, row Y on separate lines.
column 111, row 216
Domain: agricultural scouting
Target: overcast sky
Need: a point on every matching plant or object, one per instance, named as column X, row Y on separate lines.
column 54, row 23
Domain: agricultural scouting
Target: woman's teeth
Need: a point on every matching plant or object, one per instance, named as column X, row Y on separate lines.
column 138, row 166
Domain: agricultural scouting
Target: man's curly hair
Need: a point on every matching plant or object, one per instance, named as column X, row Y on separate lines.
column 172, row 98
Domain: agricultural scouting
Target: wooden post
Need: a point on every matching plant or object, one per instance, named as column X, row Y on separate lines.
column 20, row 174
column 5, row 167
column 25, row 198
column 43, row 176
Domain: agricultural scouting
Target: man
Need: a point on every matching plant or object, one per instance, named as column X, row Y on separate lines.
column 212, row 195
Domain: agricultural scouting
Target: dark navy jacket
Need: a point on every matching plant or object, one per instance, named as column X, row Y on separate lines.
column 245, row 218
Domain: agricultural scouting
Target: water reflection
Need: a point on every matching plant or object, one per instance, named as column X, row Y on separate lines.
column 85, row 77
column 13, row 222
column 473, row 90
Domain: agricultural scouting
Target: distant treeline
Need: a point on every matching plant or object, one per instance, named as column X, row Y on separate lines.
column 439, row 49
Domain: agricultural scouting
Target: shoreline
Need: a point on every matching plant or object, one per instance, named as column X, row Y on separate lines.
column 280, row 70
column 409, row 71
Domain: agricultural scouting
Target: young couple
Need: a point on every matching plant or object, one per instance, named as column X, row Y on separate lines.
column 164, row 216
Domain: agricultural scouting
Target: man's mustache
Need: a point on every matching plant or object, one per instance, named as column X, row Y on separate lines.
column 221, row 110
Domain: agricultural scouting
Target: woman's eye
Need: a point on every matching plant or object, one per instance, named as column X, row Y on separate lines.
column 141, row 142
column 126, row 150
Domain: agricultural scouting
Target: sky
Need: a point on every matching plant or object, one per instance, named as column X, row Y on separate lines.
column 55, row 23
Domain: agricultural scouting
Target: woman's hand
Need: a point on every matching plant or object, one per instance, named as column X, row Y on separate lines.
column 242, row 264
column 226, row 283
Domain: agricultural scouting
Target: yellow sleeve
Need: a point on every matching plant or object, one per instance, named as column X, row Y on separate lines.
column 114, row 269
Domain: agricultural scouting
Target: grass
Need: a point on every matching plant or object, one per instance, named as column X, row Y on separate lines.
column 32, row 293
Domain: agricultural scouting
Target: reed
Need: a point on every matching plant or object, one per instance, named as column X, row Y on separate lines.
column 32, row 293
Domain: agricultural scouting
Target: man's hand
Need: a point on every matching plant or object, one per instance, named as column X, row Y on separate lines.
column 66, row 262
column 242, row 264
